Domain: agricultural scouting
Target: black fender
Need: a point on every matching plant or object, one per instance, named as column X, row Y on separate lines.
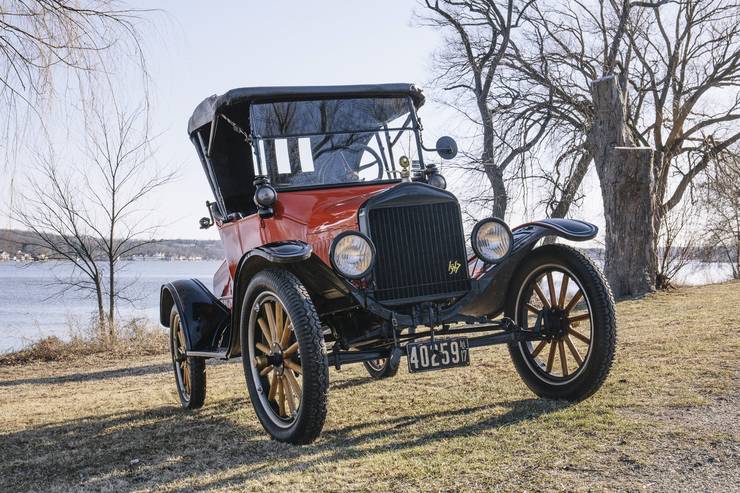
column 491, row 288
column 295, row 256
column 203, row 317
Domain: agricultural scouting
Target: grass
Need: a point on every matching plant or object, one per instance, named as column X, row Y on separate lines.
column 133, row 339
column 666, row 419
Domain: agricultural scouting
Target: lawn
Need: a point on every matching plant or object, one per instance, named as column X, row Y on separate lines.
column 666, row 419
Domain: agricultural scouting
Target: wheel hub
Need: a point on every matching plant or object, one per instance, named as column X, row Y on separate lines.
column 276, row 358
column 555, row 323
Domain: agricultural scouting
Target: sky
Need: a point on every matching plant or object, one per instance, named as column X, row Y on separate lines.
column 195, row 49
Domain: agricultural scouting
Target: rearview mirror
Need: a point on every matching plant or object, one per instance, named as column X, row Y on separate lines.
column 446, row 147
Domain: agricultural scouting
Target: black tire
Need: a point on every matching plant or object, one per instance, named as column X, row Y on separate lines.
column 306, row 422
column 382, row 368
column 597, row 309
column 190, row 372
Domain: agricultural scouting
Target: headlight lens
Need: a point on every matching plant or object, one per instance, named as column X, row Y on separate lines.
column 352, row 255
column 491, row 239
column 437, row 180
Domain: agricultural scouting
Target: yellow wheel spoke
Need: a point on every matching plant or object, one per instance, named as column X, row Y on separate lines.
column 180, row 337
column 286, row 333
column 578, row 318
column 293, row 366
column 278, row 321
column 265, row 330
column 533, row 309
column 551, row 288
column 563, row 361
column 578, row 336
column 281, row 396
column 271, row 320
column 266, row 370
column 539, row 348
column 262, row 348
column 292, row 349
column 563, row 290
column 550, row 357
column 576, row 297
column 573, row 350
column 541, row 295
column 273, row 388
column 288, row 394
column 293, row 383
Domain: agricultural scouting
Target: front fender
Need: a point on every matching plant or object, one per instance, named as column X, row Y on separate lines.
column 491, row 286
column 203, row 317
column 294, row 256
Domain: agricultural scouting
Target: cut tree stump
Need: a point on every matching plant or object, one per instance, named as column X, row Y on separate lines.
column 628, row 193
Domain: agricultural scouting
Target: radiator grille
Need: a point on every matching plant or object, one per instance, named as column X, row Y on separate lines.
column 420, row 252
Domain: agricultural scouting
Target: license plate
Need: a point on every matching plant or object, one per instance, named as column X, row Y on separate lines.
column 445, row 353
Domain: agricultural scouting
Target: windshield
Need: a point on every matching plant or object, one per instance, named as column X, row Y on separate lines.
column 326, row 142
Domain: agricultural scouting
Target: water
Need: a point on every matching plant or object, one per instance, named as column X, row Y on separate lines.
column 29, row 310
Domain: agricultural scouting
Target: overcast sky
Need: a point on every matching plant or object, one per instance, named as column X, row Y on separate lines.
column 195, row 49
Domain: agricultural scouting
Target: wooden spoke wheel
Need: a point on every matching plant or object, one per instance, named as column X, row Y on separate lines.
column 275, row 358
column 561, row 294
column 284, row 357
column 381, row 368
column 554, row 299
column 190, row 373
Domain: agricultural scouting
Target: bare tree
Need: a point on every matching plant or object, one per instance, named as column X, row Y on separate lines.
column 478, row 36
column 39, row 36
column 92, row 215
column 678, row 242
column 676, row 65
column 721, row 193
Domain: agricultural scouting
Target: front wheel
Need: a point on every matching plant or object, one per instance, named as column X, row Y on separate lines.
column 561, row 292
column 284, row 357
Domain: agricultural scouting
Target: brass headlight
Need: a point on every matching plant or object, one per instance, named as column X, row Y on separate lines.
column 352, row 254
column 491, row 239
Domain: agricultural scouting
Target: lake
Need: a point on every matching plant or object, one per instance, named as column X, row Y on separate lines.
column 30, row 309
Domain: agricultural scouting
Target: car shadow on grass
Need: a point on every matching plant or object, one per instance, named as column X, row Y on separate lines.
column 90, row 376
column 134, row 450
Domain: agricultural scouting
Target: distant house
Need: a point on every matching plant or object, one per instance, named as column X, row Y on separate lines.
column 4, row 256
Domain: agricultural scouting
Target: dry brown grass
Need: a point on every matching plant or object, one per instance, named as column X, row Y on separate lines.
column 134, row 339
column 666, row 419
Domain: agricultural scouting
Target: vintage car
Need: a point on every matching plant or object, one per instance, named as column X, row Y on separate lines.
column 343, row 246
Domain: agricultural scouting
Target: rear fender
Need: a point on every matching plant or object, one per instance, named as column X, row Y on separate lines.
column 296, row 257
column 203, row 317
column 493, row 284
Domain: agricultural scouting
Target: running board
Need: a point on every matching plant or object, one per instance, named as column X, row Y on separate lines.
column 207, row 354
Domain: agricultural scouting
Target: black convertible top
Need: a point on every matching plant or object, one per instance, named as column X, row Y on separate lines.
column 207, row 110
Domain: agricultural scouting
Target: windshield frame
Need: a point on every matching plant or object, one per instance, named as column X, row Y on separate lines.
column 411, row 124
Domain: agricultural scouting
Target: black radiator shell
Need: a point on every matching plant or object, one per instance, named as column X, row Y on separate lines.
column 420, row 244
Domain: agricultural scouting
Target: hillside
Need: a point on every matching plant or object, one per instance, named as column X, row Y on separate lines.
column 12, row 241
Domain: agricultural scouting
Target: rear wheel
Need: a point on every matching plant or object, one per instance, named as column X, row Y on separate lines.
column 284, row 357
column 381, row 368
column 190, row 372
column 563, row 293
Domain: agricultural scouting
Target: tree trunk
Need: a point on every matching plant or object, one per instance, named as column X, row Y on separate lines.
column 111, row 300
column 628, row 192
column 101, row 308
column 500, row 198
column 494, row 173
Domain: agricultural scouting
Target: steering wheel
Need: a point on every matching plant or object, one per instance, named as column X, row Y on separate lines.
column 352, row 174
column 377, row 161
